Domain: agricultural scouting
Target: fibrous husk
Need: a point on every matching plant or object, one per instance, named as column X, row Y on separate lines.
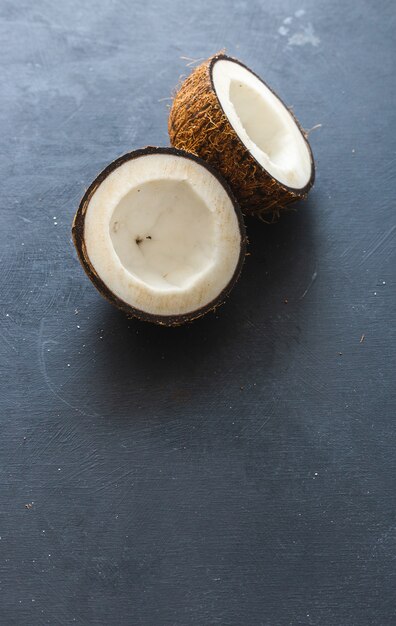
column 198, row 124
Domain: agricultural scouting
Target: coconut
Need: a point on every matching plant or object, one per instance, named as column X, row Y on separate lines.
column 160, row 235
column 227, row 115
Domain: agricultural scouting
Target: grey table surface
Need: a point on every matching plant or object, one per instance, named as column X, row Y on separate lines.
column 240, row 470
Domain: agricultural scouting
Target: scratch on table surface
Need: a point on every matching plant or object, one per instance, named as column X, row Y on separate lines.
column 386, row 171
column 114, row 481
column 346, row 275
column 70, row 116
column 378, row 243
column 86, row 465
column 311, row 282
column 7, row 342
column 264, row 423
column 40, row 349
column 41, row 446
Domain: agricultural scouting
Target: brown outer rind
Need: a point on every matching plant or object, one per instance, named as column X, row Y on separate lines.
column 197, row 123
column 104, row 290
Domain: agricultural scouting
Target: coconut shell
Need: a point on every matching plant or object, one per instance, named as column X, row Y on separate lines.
column 104, row 290
column 198, row 124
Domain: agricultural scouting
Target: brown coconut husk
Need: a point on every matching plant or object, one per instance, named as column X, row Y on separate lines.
column 197, row 123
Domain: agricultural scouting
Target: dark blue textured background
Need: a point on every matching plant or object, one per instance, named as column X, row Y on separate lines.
column 239, row 471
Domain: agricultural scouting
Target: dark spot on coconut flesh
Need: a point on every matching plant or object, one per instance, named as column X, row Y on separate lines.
column 139, row 239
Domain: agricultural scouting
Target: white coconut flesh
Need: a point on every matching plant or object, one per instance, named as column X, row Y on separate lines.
column 262, row 123
column 162, row 233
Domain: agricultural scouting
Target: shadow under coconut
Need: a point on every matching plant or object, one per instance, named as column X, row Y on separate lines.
column 185, row 348
column 157, row 372
column 168, row 367
column 280, row 263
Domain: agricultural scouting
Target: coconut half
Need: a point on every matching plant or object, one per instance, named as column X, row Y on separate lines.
column 227, row 115
column 160, row 235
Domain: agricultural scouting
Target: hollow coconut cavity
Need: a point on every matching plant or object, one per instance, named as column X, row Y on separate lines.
column 228, row 116
column 160, row 235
